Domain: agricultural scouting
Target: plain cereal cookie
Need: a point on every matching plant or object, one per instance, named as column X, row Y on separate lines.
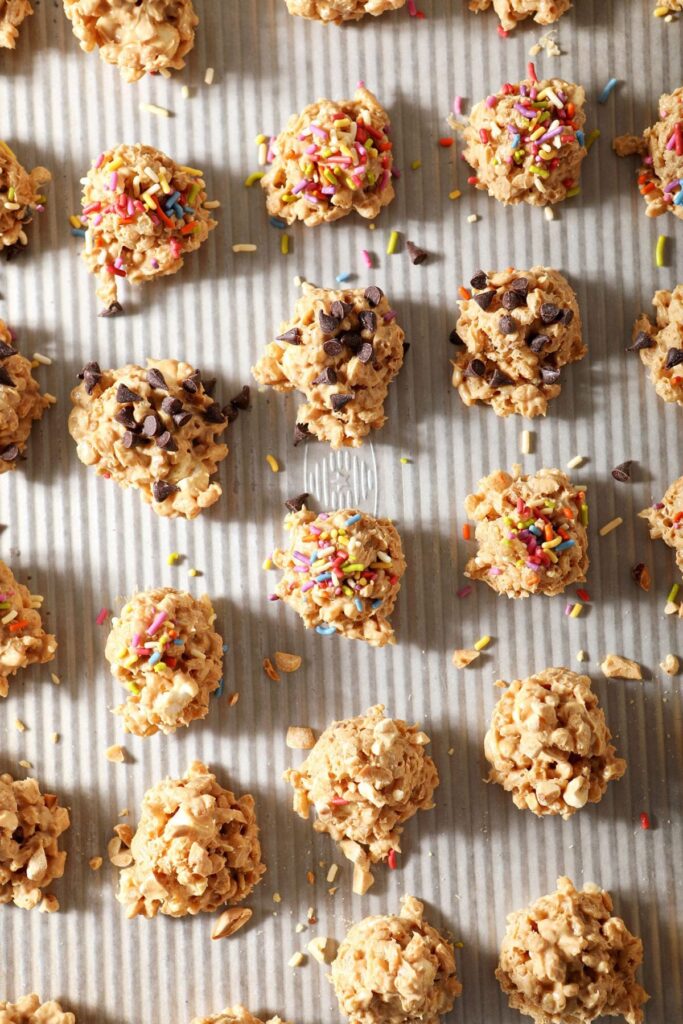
column 549, row 745
column 164, row 649
column 23, row 641
column 20, row 198
column 567, row 958
column 195, row 849
column 140, row 36
column 30, row 1010
column 342, row 573
column 12, row 14
column 338, row 11
column 154, row 429
column 660, row 344
column 666, row 519
column 142, row 214
column 341, row 349
column 234, row 1015
column 531, row 532
column 660, row 149
column 21, row 402
column 516, row 330
column 331, row 159
column 510, row 12
column 395, row 969
column 365, row 777
column 510, row 159
column 31, row 823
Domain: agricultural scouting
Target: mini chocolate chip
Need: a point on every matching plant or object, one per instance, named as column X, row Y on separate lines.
column 537, row 342
column 161, row 490
column 301, row 433
column 521, row 286
column 183, row 417
column 368, row 320
column 124, row 395
column 338, row 401
column 332, row 348
column 484, row 299
column 567, row 317
column 406, row 346
column 230, row 413
column 115, row 309
column 673, row 357
column 5, row 378
column 374, row 295
column 214, row 414
column 152, row 425
column 352, row 340
column 479, row 280
column 242, row 398
column 91, row 375
column 549, row 375
column 477, row 368
column 171, row 405
column 10, row 453
column 296, row 504
column 155, row 379
column 416, row 253
column 192, row 383
column 550, row 313
column 641, row 575
column 10, row 252
column 365, row 353
column 328, row 323
column 455, row 339
column 499, row 379
column 340, row 309
column 166, row 442
column 507, row 325
column 6, row 351
column 209, row 385
column 622, row 472
column 133, row 440
column 511, row 300
column 125, row 416
column 642, row 340
column 292, row 336
column 328, row 376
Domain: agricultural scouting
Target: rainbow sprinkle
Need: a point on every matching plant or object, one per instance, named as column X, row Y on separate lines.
column 535, row 535
column 154, row 645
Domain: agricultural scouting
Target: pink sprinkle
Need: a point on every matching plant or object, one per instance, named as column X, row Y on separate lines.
column 412, row 8
column 367, row 258
column 568, row 608
column 100, row 160
column 136, row 640
column 339, row 801
column 273, row 597
column 113, row 181
column 457, row 105
column 157, row 622
column 102, row 617
column 464, row 591
column 308, row 585
column 491, row 101
column 495, row 572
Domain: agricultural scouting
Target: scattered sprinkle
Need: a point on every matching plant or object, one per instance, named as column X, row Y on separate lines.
column 526, row 442
column 284, row 245
column 297, row 960
column 367, row 258
column 482, row 642
column 660, row 251
column 446, row 143
column 591, row 138
column 416, row 165
column 173, row 558
column 244, row 247
column 607, row 91
column 102, row 617
column 152, row 108
column 273, row 463
column 673, row 593
column 612, row 525
column 392, row 244
column 473, row 218
column 578, row 460
column 55, row 678
column 455, row 194
column 208, row 76
column 253, row 178
column 644, row 820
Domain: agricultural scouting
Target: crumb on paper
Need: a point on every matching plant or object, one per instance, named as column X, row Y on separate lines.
column 614, row 666
column 115, row 754
column 95, row 863
column 464, row 657
column 297, row 960
column 287, row 662
column 300, row 737
column 230, row 921
column 19, row 725
column 670, row 665
column 323, row 949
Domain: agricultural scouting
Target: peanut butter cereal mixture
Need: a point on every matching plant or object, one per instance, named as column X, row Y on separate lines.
column 234, row 1015
column 665, row 518
column 342, row 573
column 341, row 349
column 549, row 745
column 30, row 859
column 510, row 12
column 164, row 649
column 566, row 958
column 155, row 429
column 20, row 198
column 338, row 11
column 516, row 331
column 365, row 777
column 30, row 1010
column 12, row 14
column 331, row 159
column 660, row 343
column 661, row 151
column 23, row 641
column 21, row 402
column 396, row 969
column 196, row 848
column 531, row 532
column 140, row 36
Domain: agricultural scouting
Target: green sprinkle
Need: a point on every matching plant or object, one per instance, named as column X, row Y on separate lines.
column 673, row 593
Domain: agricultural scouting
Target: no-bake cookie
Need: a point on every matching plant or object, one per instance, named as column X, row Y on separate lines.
column 234, row 1015
column 341, row 349
column 666, row 519
column 661, row 151
column 531, row 531
column 511, row 12
column 516, row 331
column 526, row 142
column 342, row 573
column 140, row 36
column 23, row 641
column 30, row 1010
column 338, row 11
column 566, row 958
column 549, row 745
column 331, row 159
column 395, row 969
column 21, row 402
column 660, row 344
column 164, row 649
column 20, row 198
column 142, row 214
column 365, row 777
column 195, row 849
column 31, row 823
column 12, row 14
column 153, row 428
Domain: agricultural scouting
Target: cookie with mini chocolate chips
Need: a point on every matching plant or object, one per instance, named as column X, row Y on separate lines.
column 659, row 343
column 341, row 349
column 21, row 402
column 154, row 428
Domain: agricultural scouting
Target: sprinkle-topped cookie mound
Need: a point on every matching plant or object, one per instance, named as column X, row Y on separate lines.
column 142, row 214
column 30, row 1010
column 342, row 349
column 660, row 344
column 331, row 159
column 526, row 142
column 660, row 178
column 338, row 11
column 163, row 648
column 531, row 531
column 21, row 402
column 20, row 198
column 342, row 573
column 666, row 519
column 23, row 641
column 517, row 329
column 140, row 36
column 511, row 12
column 155, row 429
column 12, row 14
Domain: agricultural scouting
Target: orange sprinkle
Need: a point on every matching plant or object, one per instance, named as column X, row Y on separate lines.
column 466, row 531
column 16, row 626
column 568, row 513
column 167, row 221
column 464, row 293
column 549, row 534
column 187, row 228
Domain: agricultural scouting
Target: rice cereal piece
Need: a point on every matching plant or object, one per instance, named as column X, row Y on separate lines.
column 661, row 152
column 12, row 14
column 21, row 402
column 549, row 745
column 313, row 178
column 511, row 12
column 31, row 823
column 660, row 343
column 20, row 198
column 23, row 641
column 512, row 166
column 235, row 1015
column 614, row 666
column 365, row 778
column 154, row 429
column 531, row 532
column 30, row 1010
column 341, row 349
column 339, row 11
column 665, row 519
column 143, row 213
column 141, row 37
column 361, row 573
column 164, row 649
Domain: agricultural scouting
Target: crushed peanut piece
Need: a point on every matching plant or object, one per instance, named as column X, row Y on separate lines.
column 670, row 665
column 232, row 699
column 55, row 678
column 231, row 921
column 300, row 737
column 115, row 754
column 49, row 904
column 95, row 863
column 287, row 662
column 19, row 725
column 270, row 670
column 615, row 667
column 463, row 657
column 322, row 949
column 277, row 898
column 55, row 737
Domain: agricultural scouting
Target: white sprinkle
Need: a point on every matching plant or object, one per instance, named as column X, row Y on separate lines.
column 245, row 247
column 208, row 76
column 549, row 213
column 297, row 960
column 8, row 618
column 43, row 360
column 526, row 442
column 152, row 108
column 473, row 218
column 185, row 92
column 332, row 873
column 612, row 525
column 578, row 460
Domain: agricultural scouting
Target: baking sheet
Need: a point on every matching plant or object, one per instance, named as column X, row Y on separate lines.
column 84, row 544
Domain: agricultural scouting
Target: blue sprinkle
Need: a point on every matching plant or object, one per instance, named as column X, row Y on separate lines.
column 515, row 141
column 219, row 691
column 323, row 576
column 226, row 647
column 342, row 278
column 377, row 602
column 352, row 519
column 566, row 544
column 278, row 222
column 188, row 209
column 325, row 630
column 78, row 232
column 178, row 211
column 155, row 658
column 171, row 201
column 678, row 198
column 178, row 642
column 605, row 94
column 581, row 137
column 358, row 603
column 535, row 529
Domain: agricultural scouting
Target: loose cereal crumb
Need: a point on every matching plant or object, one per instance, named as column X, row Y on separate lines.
column 95, row 863
column 231, row 921
column 322, row 949
column 115, row 753
column 670, row 665
column 19, row 725
column 464, row 657
column 287, row 662
column 300, row 737
column 614, row 666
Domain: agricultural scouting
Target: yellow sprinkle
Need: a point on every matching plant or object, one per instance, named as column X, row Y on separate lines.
column 267, row 564
column 455, row 194
column 576, row 611
column 19, row 725
column 193, row 572
column 75, row 221
column 253, row 178
column 416, row 165
column 481, row 643
column 192, row 171
column 673, row 593
column 612, row 525
column 244, row 247
column 660, row 257
column 152, row 108
column 405, row 460
column 592, row 137
column 163, row 181
column 660, row 12
column 260, row 139
column 284, row 244
column 392, row 243
column 114, row 165
column 173, row 558
column 273, row 463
